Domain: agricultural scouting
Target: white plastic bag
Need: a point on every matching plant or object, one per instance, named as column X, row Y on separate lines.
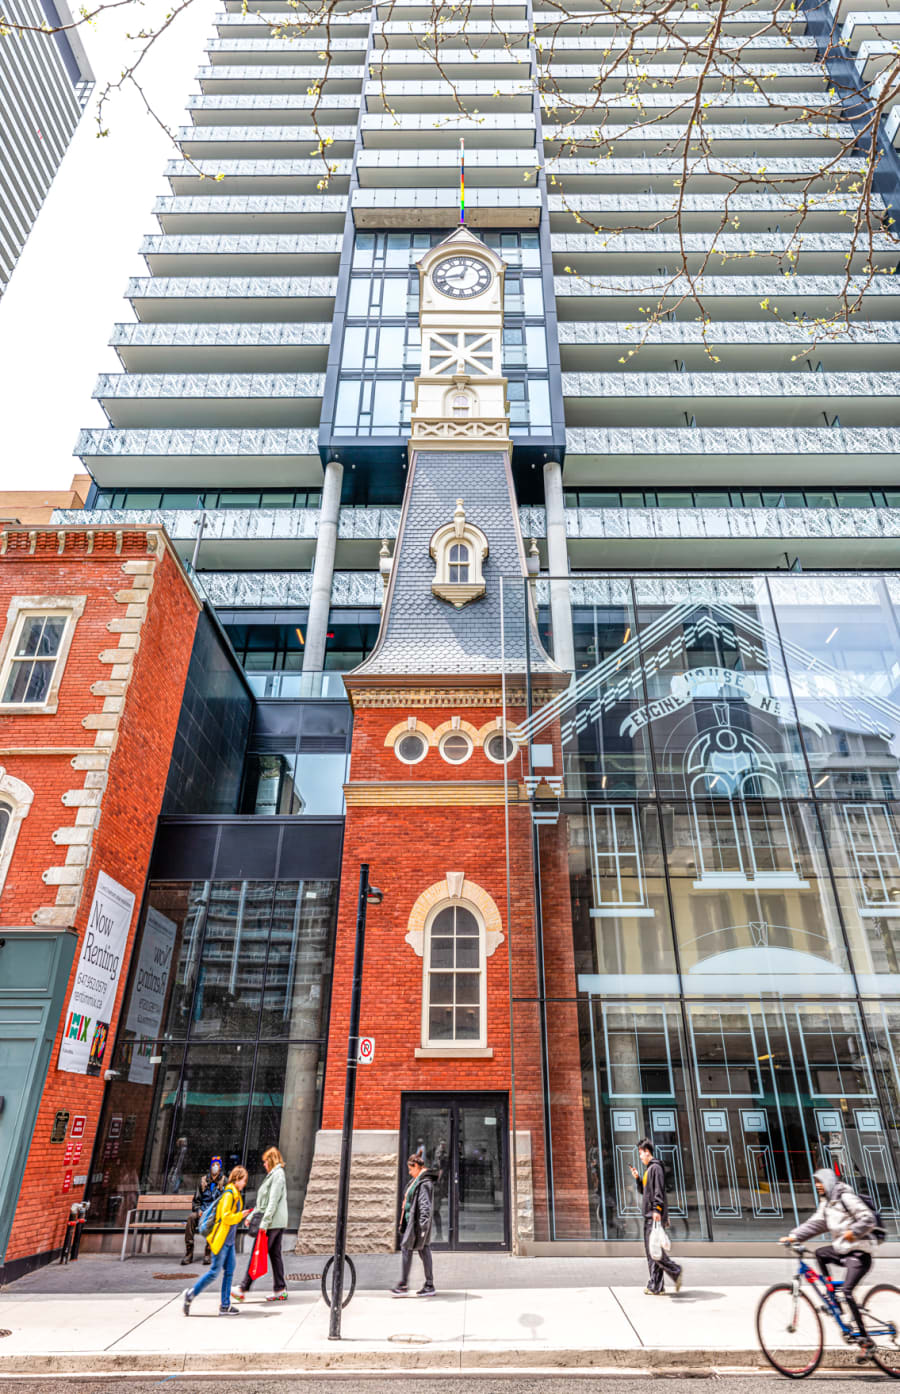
column 659, row 1242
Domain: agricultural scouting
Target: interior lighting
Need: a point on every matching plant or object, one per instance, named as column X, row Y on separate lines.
column 627, row 635
column 299, row 636
column 832, row 634
column 821, row 781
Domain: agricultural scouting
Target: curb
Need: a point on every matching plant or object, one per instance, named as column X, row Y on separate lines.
column 377, row 1362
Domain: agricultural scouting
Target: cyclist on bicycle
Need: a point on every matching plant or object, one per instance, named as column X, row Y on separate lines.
column 850, row 1223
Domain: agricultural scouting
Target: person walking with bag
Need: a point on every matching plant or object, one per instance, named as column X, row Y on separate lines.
column 415, row 1226
column 271, row 1205
column 229, row 1213
column 651, row 1184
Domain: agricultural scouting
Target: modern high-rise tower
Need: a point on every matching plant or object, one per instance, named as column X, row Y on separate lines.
column 678, row 660
column 45, row 82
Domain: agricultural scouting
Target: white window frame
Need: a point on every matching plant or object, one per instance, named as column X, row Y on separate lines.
column 883, row 857
column 614, row 815
column 21, row 609
column 454, row 1046
column 449, row 735
column 18, row 797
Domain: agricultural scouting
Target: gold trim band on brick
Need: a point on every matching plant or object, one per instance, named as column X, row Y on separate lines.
column 421, row 793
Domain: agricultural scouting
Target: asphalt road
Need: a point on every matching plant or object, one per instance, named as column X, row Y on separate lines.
column 431, row 1382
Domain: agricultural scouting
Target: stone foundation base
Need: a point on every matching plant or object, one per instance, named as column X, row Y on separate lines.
column 372, row 1224
column 523, row 1195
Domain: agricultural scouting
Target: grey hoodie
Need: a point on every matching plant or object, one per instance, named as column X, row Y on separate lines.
column 839, row 1210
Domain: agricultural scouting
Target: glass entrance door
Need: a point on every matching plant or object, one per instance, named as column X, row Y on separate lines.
column 464, row 1139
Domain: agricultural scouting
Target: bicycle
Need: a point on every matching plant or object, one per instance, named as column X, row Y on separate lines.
column 789, row 1324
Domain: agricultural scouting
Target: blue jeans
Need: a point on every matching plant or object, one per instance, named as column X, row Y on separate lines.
column 223, row 1262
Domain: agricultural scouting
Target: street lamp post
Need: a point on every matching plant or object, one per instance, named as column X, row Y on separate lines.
column 367, row 893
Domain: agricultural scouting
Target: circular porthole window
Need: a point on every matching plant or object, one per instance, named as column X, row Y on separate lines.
column 411, row 747
column 456, row 748
column 499, row 747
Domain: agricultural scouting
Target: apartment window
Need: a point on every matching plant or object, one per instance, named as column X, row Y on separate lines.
column 34, row 650
column 453, row 1006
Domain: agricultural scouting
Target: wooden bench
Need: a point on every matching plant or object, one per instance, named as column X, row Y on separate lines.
column 155, row 1207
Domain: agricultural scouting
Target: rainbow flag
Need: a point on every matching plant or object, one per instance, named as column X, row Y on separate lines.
column 462, row 180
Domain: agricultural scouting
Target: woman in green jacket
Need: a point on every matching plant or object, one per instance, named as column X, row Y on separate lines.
column 271, row 1203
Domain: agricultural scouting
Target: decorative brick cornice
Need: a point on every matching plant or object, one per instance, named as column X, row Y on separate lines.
column 449, row 694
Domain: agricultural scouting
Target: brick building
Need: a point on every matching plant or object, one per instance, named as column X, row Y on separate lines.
column 98, row 630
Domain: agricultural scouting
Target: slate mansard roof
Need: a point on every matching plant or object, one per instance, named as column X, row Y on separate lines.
column 422, row 634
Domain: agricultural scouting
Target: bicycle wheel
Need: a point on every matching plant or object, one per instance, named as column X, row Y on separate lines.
column 881, row 1315
column 790, row 1331
column 349, row 1286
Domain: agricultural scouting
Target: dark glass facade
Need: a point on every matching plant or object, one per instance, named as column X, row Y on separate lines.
column 230, row 981
column 730, row 812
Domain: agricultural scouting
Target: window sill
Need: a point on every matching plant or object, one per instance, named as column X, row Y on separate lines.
column 29, row 708
column 454, row 1053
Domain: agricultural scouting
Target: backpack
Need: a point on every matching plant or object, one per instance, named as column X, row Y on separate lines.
column 879, row 1233
column 207, row 1221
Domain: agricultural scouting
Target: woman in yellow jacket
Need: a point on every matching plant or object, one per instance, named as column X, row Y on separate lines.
column 229, row 1213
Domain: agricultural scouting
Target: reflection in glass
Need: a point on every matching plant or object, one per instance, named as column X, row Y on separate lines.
column 283, row 1114
column 862, row 841
column 753, row 903
column 298, row 968
column 232, row 959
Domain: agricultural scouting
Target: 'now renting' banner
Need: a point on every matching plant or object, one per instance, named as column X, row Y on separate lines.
column 93, row 996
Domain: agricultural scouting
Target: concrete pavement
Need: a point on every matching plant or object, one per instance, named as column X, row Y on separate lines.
column 96, row 1327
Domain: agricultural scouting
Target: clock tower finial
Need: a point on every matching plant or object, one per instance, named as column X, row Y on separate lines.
column 460, row 394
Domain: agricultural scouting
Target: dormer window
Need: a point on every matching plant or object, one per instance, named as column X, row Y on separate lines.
column 459, row 564
column 459, row 549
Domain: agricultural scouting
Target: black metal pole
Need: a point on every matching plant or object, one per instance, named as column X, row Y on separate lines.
column 340, row 1228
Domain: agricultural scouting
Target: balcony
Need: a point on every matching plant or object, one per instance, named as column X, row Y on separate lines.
column 682, row 77
column 287, row 47
column 286, row 589
column 485, row 169
column 669, row 455
column 755, row 108
column 648, row 50
column 731, row 297
column 252, row 347
column 784, row 178
column 386, row 208
column 283, row 80
column 211, row 399
column 203, row 457
column 742, row 346
column 403, row 65
column 643, row 139
column 768, row 212
column 259, row 177
column 223, row 143
column 696, row 23
column 415, row 131
column 249, row 25
column 280, row 298
column 444, row 98
column 245, row 212
column 731, row 399
column 243, row 254
column 262, row 108
column 719, row 254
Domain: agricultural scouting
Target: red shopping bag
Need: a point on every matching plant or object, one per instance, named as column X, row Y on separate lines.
column 259, row 1259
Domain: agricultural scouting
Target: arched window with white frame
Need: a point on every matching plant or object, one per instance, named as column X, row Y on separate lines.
column 453, row 1005
column 15, row 802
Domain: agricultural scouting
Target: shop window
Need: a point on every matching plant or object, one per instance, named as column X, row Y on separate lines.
column 876, row 857
column 454, row 997
column 34, row 650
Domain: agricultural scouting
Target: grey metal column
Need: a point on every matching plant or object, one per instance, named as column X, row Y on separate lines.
column 323, row 569
column 558, row 566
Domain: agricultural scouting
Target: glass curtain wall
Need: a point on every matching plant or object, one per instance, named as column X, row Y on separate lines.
column 715, row 801
column 222, row 1044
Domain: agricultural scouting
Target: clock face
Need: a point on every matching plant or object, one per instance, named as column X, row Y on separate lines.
column 461, row 277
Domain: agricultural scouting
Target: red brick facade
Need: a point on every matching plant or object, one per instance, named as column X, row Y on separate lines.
column 98, row 763
column 414, row 824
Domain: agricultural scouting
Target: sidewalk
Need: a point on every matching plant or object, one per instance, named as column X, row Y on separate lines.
column 96, row 1325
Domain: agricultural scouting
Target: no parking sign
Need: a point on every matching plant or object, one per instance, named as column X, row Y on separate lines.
column 366, row 1053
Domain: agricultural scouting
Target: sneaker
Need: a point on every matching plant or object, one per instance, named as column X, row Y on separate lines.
column 187, row 1298
column 401, row 1290
column 652, row 1292
column 231, row 1311
column 427, row 1291
column 187, row 1260
column 239, row 1296
column 207, row 1257
column 278, row 1296
column 679, row 1280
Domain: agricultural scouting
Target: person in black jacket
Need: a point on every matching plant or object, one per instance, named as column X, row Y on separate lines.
column 415, row 1225
column 651, row 1184
column 210, row 1188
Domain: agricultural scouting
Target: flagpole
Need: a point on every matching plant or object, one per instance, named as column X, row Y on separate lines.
column 462, row 181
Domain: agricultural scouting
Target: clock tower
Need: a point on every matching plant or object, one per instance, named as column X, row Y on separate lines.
column 460, row 392
column 438, row 806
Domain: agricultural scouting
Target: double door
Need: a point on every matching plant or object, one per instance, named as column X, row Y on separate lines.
column 464, row 1140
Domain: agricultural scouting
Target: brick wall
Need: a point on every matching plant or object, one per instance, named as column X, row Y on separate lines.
column 127, row 666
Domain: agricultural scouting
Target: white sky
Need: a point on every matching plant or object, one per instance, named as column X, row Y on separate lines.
column 66, row 292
